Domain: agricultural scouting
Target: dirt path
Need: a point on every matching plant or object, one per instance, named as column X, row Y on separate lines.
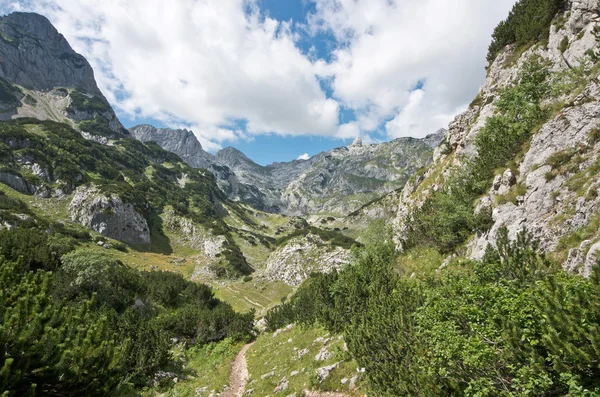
column 239, row 374
column 309, row 393
column 239, row 377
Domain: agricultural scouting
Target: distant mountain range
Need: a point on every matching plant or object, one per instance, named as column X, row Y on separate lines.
column 338, row 181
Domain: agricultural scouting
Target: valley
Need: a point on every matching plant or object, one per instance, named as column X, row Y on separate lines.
column 136, row 263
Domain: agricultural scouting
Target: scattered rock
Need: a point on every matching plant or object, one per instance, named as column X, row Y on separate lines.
column 302, row 353
column 352, row 384
column 323, row 354
column 323, row 372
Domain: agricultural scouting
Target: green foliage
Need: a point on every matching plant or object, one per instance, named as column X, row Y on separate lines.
column 171, row 290
column 311, row 303
column 512, row 324
column 81, row 101
column 519, row 112
column 444, row 221
column 30, row 244
column 336, row 238
column 564, row 45
column 49, row 349
column 119, row 169
column 446, row 218
column 528, row 23
column 95, row 325
column 85, row 273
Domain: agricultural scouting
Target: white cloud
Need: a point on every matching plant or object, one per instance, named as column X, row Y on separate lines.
column 392, row 45
column 304, row 156
column 206, row 63
column 230, row 73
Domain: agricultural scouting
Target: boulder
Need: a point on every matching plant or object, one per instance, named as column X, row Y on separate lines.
column 109, row 215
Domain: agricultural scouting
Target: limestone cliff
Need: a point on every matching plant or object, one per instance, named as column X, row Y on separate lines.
column 553, row 187
column 42, row 77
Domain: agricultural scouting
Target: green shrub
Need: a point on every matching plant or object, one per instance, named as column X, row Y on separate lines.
column 528, row 23
column 564, row 45
column 85, row 273
column 512, row 323
column 444, row 221
column 31, row 245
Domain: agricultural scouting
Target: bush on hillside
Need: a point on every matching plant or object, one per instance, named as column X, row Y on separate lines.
column 528, row 22
column 512, row 323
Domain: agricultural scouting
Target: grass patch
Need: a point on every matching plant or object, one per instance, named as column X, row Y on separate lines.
column 257, row 295
column 421, row 260
column 280, row 355
column 511, row 197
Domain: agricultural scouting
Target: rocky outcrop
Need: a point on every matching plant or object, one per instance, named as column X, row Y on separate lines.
column 108, row 215
column 193, row 235
column 16, row 182
column 45, row 79
column 301, row 256
column 181, row 142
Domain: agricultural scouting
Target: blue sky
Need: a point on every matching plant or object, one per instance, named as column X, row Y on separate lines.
column 282, row 78
column 270, row 148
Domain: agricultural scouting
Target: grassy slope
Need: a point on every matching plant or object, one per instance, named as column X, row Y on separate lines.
column 258, row 295
column 280, row 355
column 206, row 369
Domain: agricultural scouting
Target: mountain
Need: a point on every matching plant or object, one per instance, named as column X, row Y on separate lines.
column 42, row 77
column 525, row 164
column 478, row 276
column 186, row 145
column 181, row 142
column 338, row 181
column 69, row 170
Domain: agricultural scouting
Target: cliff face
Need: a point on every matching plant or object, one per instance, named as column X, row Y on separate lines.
column 181, row 142
column 339, row 181
column 42, row 77
column 551, row 188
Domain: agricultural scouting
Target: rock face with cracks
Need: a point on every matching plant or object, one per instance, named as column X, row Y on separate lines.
column 109, row 216
column 551, row 201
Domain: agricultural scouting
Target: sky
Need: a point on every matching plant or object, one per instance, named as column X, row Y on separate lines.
column 282, row 79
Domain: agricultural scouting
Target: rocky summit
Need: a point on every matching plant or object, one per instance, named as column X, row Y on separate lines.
column 42, row 77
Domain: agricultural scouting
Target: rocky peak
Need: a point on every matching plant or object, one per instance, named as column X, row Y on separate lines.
column 42, row 77
column 41, row 59
column 181, row 142
column 358, row 142
column 233, row 157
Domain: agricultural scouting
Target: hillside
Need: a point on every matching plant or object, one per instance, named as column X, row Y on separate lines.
column 540, row 174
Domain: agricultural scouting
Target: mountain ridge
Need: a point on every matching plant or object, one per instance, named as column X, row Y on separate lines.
column 281, row 186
